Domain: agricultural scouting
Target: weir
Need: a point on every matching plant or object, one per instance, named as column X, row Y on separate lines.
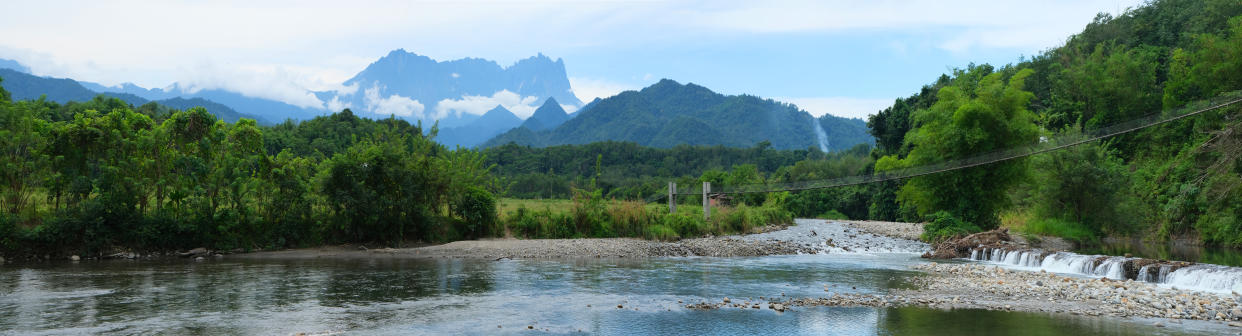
column 1206, row 277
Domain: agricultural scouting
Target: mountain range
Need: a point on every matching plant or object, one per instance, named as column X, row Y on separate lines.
column 668, row 113
column 24, row 86
column 473, row 102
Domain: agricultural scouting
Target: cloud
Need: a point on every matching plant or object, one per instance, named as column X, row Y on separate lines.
column 392, row 105
column 986, row 23
column 280, row 49
column 273, row 82
column 336, row 105
column 847, row 107
column 521, row 106
column 587, row 89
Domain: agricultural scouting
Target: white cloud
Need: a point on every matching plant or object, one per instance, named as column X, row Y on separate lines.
column 262, row 81
column 587, row 89
column 1033, row 25
column 320, row 43
column 521, row 106
column 847, row 107
column 336, row 105
column 393, row 104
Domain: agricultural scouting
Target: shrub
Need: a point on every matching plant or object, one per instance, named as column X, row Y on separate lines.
column 477, row 209
column 833, row 214
column 943, row 226
column 1061, row 228
column 660, row 232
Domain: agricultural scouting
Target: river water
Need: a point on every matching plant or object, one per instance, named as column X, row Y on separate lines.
column 466, row 296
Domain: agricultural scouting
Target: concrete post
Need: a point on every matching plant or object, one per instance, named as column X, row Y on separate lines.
column 707, row 209
column 672, row 197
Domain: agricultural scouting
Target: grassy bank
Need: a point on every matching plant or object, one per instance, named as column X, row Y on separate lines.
column 602, row 219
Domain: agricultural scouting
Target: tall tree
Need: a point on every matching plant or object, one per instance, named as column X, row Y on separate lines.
column 979, row 113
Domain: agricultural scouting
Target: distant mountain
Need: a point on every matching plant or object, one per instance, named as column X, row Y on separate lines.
column 403, row 76
column 667, row 114
column 406, row 85
column 13, row 65
column 547, row 116
column 25, row 86
column 264, row 109
column 220, row 110
column 494, row 122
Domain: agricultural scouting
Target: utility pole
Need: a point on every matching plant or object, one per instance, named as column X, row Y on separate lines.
column 707, row 209
column 672, row 197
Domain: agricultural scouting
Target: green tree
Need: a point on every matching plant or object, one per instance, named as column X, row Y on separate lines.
column 1084, row 184
column 23, row 142
column 978, row 113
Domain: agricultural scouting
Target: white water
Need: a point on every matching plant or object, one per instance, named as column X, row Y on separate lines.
column 820, row 134
column 1205, row 277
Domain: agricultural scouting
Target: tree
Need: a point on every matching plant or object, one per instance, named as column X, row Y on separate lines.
column 1084, row 184
column 23, row 142
column 979, row 113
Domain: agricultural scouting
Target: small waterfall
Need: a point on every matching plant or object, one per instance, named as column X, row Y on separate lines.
column 1213, row 277
column 820, row 134
column 1205, row 277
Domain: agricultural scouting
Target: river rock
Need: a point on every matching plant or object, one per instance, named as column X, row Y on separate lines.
column 777, row 307
column 194, row 252
column 75, row 257
column 199, row 259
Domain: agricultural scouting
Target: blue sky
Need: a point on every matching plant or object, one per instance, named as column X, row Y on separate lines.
column 847, row 58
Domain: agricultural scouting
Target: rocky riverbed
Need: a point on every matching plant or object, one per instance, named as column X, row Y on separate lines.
column 967, row 286
column 808, row 236
column 832, row 236
column 730, row 246
column 899, row 230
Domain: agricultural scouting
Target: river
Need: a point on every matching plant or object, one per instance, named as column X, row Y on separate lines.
column 471, row 296
column 436, row 296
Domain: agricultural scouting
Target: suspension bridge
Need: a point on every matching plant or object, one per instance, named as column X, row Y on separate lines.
column 1043, row 146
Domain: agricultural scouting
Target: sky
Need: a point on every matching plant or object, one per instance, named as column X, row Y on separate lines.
column 846, row 58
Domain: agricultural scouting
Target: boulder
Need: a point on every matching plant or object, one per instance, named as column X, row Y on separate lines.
column 196, row 252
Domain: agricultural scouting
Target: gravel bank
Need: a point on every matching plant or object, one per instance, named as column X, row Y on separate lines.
column 957, row 286
column 807, row 237
column 908, row 231
column 831, row 236
column 731, row 246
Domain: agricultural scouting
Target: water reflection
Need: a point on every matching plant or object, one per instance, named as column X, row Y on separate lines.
column 448, row 296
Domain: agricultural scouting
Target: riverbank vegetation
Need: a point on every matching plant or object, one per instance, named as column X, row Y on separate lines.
column 1175, row 180
column 93, row 176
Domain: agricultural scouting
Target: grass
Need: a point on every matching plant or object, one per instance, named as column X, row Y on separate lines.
column 601, row 219
column 505, row 206
column 1030, row 227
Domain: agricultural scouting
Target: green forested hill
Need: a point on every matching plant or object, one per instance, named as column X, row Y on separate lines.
column 1181, row 178
column 668, row 114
